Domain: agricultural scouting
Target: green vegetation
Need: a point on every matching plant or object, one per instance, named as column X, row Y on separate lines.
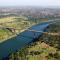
column 47, row 47
column 4, row 34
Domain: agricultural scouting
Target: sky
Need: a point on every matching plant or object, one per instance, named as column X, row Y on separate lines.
column 29, row 2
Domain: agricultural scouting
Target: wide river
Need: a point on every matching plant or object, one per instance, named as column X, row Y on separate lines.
column 21, row 40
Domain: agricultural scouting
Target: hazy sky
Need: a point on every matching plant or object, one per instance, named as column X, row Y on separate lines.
column 30, row 2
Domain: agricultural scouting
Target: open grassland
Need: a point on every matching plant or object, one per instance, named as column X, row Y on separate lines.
column 4, row 34
column 7, row 19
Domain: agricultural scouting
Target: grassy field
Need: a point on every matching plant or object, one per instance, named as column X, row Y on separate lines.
column 7, row 19
column 4, row 34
